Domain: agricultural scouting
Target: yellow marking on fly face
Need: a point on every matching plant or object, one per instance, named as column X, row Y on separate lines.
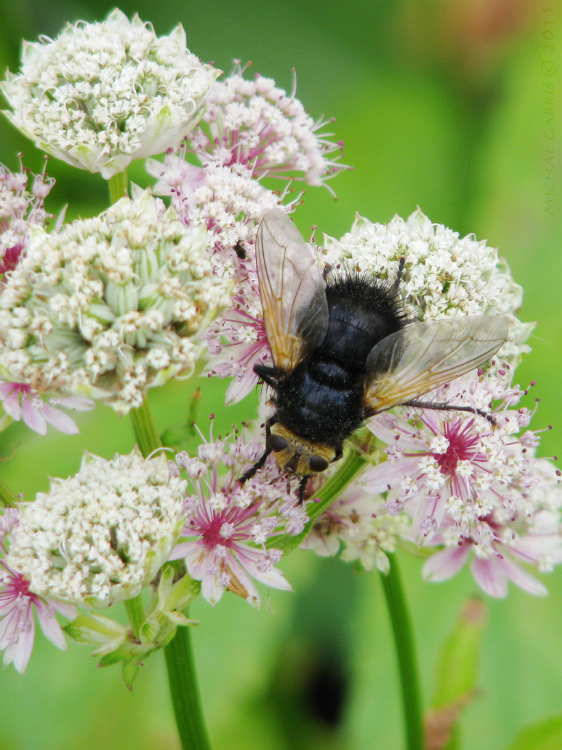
column 295, row 457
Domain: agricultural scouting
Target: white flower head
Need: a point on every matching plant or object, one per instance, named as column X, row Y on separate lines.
column 110, row 306
column 444, row 275
column 103, row 94
column 100, row 536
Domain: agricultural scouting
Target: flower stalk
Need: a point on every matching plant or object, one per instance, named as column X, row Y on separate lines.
column 8, row 497
column 185, row 692
column 179, row 656
column 118, row 186
column 406, row 655
column 135, row 612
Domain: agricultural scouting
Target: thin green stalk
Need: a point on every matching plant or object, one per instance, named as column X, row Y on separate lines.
column 406, row 654
column 8, row 497
column 135, row 611
column 179, row 657
column 185, row 693
column 118, row 186
column 146, row 432
column 329, row 493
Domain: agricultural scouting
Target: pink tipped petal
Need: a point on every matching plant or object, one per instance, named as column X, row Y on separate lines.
column 490, row 576
column 211, row 588
column 12, row 405
column 239, row 388
column 446, row 563
column 49, row 624
column 522, row 578
column 389, row 473
column 33, row 417
column 60, row 420
column 271, row 577
column 6, row 389
column 66, row 610
column 78, row 403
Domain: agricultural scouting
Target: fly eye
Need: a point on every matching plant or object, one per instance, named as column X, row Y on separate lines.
column 317, row 463
column 277, row 443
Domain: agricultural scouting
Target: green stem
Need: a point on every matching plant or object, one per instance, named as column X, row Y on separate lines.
column 406, row 653
column 8, row 497
column 146, row 432
column 329, row 493
column 185, row 694
column 118, row 186
column 135, row 610
column 179, row 657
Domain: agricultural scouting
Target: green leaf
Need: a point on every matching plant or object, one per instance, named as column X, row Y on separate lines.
column 457, row 672
column 545, row 734
column 457, row 675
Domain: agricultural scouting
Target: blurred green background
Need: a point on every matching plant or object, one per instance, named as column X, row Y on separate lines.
column 442, row 104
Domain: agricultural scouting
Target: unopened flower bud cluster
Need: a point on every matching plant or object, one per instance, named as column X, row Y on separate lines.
column 100, row 536
column 109, row 306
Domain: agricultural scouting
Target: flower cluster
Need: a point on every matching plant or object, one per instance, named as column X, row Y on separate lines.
column 103, row 94
column 20, row 209
column 259, row 126
column 17, row 604
column 230, row 529
column 444, row 274
column 100, row 536
column 109, row 306
column 472, row 485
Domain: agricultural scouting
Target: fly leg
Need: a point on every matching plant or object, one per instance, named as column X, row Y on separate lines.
column 263, row 458
column 452, row 407
column 302, row 488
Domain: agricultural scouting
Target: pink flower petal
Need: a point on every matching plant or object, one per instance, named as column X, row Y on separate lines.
column 66, row 610
column 78, row 403
column 6, row 389
column 389, row 473
column 490, row 576
column 49, row 624
column 33, row 417
column 211, row 588
column 12, row 405
column 446, row 563
column 60, row 420
column 522, row 578
column 239, row 388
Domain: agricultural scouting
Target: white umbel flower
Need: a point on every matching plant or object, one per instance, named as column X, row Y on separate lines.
column 102, row 535
column 109, row 306
column 444, row 275
column 103, row 94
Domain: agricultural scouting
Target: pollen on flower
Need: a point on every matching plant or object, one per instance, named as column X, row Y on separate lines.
column 124, row 294
column 100, row 536
column 116, row 92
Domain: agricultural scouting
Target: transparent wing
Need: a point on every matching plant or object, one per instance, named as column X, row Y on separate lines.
column 293, row 292
column 424, row 356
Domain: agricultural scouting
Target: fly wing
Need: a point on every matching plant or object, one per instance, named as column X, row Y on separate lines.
column 424, row 356
column 293, row 292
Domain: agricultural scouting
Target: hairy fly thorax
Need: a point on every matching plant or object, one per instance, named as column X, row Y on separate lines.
column 343, row 351
column 296, row 455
